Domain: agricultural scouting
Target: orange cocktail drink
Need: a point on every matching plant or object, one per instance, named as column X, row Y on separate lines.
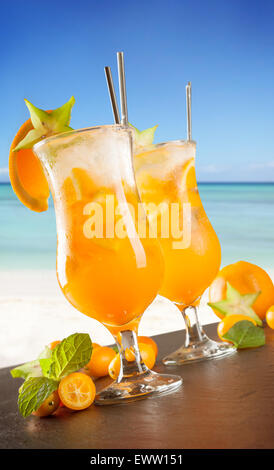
column 104, row 268
column 112, row 279
column 165, row 176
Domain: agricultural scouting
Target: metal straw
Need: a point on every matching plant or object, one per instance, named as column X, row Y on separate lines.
column 122, row 87
column 188, row 111
column 112, row 95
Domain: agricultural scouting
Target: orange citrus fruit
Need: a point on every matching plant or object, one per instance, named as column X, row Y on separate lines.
column 77, row 391
column 150, row 341
column 229, row 321
column 100, row 360
column 114, row 367
column 94, row 346
column 54, row 344
column 246, row 278
column 147, row 354
column 26, row 174
column 48, row 406
column 270, row 317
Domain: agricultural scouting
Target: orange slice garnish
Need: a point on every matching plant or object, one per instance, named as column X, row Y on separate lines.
column 188, row 186
column 77, row 391
column 26, row 174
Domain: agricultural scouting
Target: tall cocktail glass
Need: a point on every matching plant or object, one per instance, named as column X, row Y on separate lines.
column 104, row 268
column 165, row 176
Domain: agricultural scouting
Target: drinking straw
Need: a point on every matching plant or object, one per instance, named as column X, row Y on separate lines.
column 188, row 111
column 112, row 95
column 122, row 88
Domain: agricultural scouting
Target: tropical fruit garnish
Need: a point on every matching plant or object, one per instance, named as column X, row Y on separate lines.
column 143, row 138
column 246, row 278
column 188, row 184
column 237, row 304
column 26, row 173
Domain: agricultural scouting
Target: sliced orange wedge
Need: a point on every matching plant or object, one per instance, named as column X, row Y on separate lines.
column 77, row 391
column 189, row 183
column 189, row 177
column 26, row 174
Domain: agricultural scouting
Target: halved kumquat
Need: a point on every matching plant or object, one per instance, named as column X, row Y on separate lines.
column 77, row 391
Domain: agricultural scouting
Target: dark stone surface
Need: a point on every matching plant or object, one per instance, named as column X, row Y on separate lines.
column 225, row 403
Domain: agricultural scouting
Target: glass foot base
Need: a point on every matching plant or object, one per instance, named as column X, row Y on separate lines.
column 199, row 351
column 139, row 386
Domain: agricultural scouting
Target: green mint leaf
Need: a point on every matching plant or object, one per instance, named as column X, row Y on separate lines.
column 47, row 352
column 245, row 335
column 45, row 366
column 33, row 393
column 32, row 368
column 70, row 355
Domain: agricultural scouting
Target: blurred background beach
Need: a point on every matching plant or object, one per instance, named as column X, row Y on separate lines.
column 225, row 48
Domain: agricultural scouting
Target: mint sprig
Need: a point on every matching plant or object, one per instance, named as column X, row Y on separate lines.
column 33, row 393
column 245, row 335
column 42, row 376
column 27, row 370
column 32, row 368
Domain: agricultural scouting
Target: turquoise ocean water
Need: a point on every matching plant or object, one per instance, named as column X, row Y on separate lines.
column 242, row 215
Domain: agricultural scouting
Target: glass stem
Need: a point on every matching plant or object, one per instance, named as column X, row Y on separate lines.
column 194, row 329
column 128, row 340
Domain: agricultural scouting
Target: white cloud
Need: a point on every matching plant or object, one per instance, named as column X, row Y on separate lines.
column 261, row 165
column 4, row 171
column 211, row 169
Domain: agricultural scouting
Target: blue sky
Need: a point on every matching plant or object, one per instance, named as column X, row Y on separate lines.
column 225, row 47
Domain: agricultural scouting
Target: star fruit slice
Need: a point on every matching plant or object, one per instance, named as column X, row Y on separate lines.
column 236, row 303
column 26, row 173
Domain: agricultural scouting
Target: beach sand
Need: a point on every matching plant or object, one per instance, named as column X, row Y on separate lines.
column 34, row 312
